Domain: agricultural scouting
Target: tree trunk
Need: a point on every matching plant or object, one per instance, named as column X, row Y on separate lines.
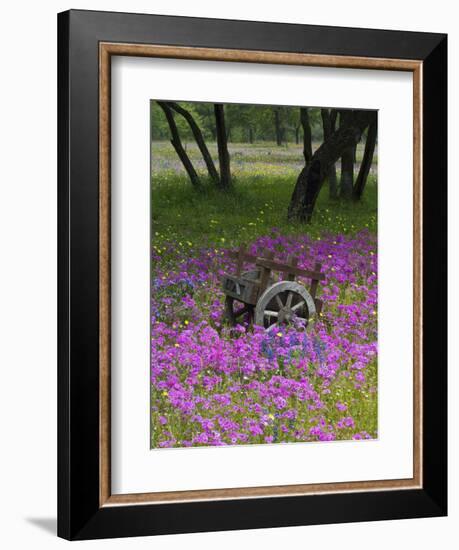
column 250, row 135
column 177, row 144
column 213, row 174
column 312, row 176
column 297, row 134
column 307, row 137
column 347, row 162
column 333, row 118
column 347, row 173
column 222, row 144
column 328, row 125
column 277, row 126
column 367, row 159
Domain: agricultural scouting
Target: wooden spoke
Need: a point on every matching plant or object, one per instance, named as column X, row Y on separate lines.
column 269, row 313
column 272, row 299
column 298, row 305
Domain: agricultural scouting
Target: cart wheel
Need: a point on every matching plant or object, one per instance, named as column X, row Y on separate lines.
column 282, row 303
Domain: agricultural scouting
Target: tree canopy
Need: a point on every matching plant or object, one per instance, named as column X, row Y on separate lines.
column 327, row 136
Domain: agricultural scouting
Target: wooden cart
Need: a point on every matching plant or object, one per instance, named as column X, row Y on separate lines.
column 266, row 301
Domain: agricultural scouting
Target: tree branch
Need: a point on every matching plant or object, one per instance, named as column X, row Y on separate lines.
column 328, row 125
column 307, row 137
column 213, row 174
column 312, row 176
column 222, row 143
column 367, row 159
column 177, row 144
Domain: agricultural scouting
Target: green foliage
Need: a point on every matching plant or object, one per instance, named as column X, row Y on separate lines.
column 160, row 128
column 244, row 122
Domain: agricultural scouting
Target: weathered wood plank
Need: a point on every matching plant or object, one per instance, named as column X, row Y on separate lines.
column 240, row 258
column 270, row 264
column 315, row 282
column 241, row 289
column 319, row 303
column 265, row 270
column 293, row 261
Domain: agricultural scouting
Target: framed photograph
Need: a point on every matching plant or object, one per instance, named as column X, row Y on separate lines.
column 252, row 274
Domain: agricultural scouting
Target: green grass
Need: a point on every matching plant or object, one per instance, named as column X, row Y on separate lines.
column 256, row 204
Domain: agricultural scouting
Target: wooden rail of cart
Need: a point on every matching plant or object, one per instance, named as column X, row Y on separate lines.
column 266, row 301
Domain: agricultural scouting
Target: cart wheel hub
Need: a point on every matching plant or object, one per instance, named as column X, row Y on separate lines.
column 286, row 315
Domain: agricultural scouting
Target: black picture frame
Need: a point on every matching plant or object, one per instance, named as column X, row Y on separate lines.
column 80, row 515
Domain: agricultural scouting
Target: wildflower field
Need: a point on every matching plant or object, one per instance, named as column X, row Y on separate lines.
column 213, row 384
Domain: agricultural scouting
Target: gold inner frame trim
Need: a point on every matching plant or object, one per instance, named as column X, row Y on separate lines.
column 106, row 51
